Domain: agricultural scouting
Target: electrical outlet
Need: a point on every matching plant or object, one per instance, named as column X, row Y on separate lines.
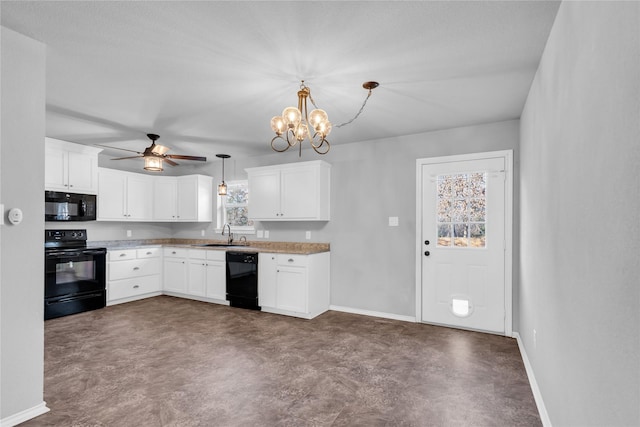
column 202, row 233
column 535, row 339
column 307, row 235
column 128, row 233
column 393, row 221
column 266, row 234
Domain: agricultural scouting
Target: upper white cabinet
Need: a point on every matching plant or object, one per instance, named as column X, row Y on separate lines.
column 290, row 192
column 124, row 196
column 185, row 198
column 70, row 167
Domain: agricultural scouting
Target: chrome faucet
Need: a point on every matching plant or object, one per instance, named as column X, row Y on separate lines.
column 230, row 238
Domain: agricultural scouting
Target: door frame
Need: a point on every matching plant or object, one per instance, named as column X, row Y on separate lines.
column 507, row 155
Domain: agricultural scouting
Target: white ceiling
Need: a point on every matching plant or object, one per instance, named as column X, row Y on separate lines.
column 209, row 75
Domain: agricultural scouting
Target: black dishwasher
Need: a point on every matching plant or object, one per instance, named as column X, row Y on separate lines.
column 242, row 280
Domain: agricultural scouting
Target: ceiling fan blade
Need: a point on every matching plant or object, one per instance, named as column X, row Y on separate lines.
column 159, row 149
column 132, row 157
column 179, row 156
column 116, row 148
column 171, row 162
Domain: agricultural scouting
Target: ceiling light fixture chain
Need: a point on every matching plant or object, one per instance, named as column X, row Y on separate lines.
column 296, row 124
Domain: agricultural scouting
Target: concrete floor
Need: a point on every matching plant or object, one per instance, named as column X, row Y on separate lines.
column 167, row 361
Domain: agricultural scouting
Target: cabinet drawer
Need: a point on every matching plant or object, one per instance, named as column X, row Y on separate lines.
column 121, row 254
column 134, row 268
column 148, row 252
column 216, row 255
column 175, row 252
column 197, row 254
column 292, row 260
column 132, row 287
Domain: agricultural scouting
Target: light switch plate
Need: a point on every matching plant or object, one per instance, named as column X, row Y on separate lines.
column 393, row 221
column 260, row 234
column 128, row 233
column 307, row 235
column 266, row 234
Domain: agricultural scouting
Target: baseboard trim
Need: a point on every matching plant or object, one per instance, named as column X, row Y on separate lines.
column 537, row 395
column 22, row 416
column 373, row 313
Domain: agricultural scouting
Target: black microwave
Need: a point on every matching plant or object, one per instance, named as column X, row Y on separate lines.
column 61, row 206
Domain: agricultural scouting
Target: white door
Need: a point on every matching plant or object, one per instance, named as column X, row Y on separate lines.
column 462, row 220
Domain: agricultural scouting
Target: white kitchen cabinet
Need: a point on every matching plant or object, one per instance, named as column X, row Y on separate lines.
column 124, row 196
column 207, row 274
column 294, row 285
column 175, row 270
column 133, row 274
column 186, row 198
column 70, row 167
column 290, row 192
column 165, row 202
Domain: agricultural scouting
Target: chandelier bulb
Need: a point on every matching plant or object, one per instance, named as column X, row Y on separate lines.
column 278, row 125
column 291, row 116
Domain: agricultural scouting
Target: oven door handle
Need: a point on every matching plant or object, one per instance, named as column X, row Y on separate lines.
column 62, row 254
column 94, row 252
column 73, row 298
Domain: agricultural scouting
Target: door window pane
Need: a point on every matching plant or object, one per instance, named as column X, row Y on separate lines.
column 461, row 210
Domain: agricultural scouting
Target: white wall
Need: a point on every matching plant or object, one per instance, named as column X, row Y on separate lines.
column 21, row 246
column 580, row 205
column 372, row 264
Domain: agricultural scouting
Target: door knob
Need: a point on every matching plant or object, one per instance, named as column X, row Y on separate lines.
column 427, row 253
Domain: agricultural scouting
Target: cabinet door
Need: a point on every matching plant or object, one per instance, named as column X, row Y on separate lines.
column 111, row 199
column 291, row 289
column 299, row 193
column 82, row 172
column 197, row 277
column 55, row 169
column 216, row 280
column 187, row 198
column 264, row 190
column 175, row 274
column 267, row 268
column 139, row 197
column 164, row 199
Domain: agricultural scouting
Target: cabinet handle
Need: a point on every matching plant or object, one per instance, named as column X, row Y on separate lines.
column 70, row 185
column 290, row 259
column 121, row 255
column 136, row 286
column 149, row 253
column 173, row 253
column 136, row 268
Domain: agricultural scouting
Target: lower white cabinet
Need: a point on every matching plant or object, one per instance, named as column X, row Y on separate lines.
column 295, row 285
column 175, row 270
column 195, row 273
column 133, row 274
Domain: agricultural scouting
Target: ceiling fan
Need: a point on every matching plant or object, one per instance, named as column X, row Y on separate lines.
column 155, row 154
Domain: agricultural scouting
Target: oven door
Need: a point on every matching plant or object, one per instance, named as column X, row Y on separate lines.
column 73, row 272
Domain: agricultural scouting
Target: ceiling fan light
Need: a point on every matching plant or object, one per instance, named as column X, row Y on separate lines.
column 291, row 116
column 153, row 164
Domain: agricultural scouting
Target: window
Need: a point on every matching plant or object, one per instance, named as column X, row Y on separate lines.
column 461, row 218
column 233, row 208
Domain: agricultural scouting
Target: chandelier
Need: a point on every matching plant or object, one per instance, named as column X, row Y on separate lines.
column 297, row 125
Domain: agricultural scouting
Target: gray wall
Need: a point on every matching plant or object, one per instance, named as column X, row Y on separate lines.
column 372, row 264
column 22, row 186
column 580, row 182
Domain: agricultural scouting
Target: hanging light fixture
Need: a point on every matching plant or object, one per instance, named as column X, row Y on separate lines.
column 222, row 188
column 153, row 163
column 297, row 125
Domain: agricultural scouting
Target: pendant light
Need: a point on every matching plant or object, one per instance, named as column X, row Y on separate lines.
column 222, row 188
